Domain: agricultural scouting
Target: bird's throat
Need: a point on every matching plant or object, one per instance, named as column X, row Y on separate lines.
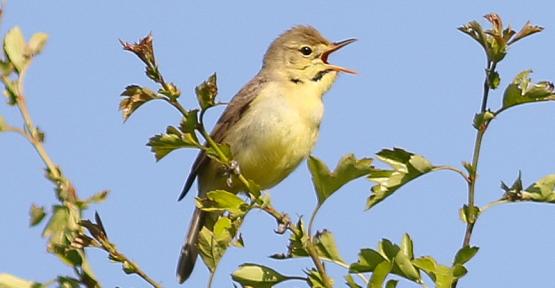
column 320, row 75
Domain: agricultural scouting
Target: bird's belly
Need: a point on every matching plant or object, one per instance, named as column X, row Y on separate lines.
column 270, row 143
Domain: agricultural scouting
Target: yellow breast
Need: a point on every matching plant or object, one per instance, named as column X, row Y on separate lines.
column 277, row 132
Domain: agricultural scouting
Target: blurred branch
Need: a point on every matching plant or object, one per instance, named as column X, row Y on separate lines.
column 100, row 240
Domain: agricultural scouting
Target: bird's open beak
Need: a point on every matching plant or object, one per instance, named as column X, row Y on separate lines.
column 334, row 47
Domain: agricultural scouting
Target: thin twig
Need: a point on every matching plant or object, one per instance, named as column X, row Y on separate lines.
column 30, row 128
column 472, row 177
column 453, row 169
column 476, row 156
column 493, row 204
column 344, row 265
column 107, row 246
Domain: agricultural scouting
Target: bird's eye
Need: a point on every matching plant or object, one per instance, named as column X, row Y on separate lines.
column 306, row 50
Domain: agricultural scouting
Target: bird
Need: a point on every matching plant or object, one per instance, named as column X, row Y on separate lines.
column 271, row 125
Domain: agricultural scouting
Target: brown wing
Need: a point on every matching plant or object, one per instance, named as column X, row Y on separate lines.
column 233, row 112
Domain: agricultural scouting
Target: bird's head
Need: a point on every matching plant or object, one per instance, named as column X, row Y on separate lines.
column 301, row 54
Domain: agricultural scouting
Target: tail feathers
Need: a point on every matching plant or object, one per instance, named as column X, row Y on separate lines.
column 189, row 251
column 187, row 259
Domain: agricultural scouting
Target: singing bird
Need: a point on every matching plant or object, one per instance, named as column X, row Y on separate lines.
column 271, row 124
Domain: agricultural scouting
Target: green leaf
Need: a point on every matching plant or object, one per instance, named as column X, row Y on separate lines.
column 255, row 275
column 327, row 248
column 37, row 43
column 162, row 144
column 215, row 237
column 391, row 283
column 458, row 271
column 213, row 154
column 37, row 214
column 189, row 122
column 38, row 134
column 442, row 275
column 326, row 182
column 324, row 241
column 97, row 198
column 406, row 167
column 209, row 249
column 11, row 91
column 399, row 257
column 427, row 264
column 527, row 30
column 315, row 279
column 6, row 68
column 351, row 282
column 541, row 191
column 522, row 90
column 493, row 79
column 492, row 40
column 14, row 47
column 475, row 30
column 402, row 265
column 481, row 120
column 142, row 49
column 380, row 274
column 169, row 89
column 407, row 246
column 465, row 254
column 207, row 92
column 368, row 259
column 128, row 268
column 133, row 97
column 57, row 225
column 68, row 282
column 11, row 281
column 469, row 215
column 388, row 249
column 88, row 278
column 297, row 244
column 220, row 200
column 406, row 269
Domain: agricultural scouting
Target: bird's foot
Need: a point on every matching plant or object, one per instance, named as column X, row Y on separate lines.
column 232, row 170
column 283, row 224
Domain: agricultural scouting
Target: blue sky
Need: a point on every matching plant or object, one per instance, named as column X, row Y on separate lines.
column 418, row 88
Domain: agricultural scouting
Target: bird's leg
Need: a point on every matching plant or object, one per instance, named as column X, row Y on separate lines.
column 283, row 224
column 282, row 219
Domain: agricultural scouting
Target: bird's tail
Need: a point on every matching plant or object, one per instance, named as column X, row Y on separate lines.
column 189, row 251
